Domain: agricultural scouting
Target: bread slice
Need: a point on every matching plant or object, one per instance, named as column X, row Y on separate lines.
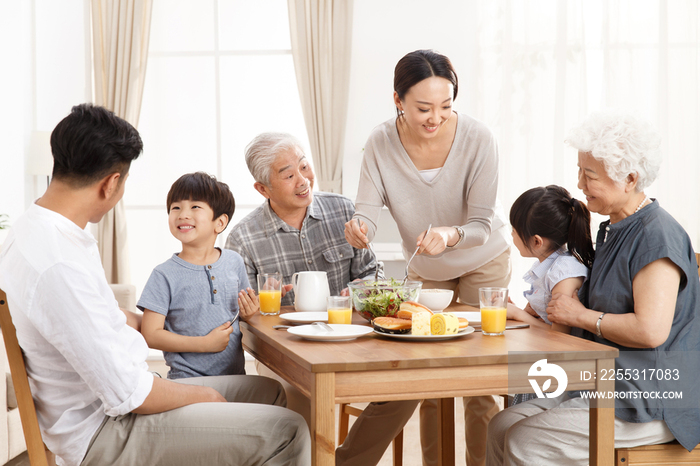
column 463, row 323
column 391, row 325
column 408, row 308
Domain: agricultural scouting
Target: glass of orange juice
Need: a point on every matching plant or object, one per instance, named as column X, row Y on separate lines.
column 339, row 310
column 493, row 302
column 270, row 293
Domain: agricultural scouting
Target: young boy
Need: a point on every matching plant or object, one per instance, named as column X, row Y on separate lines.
column 191, row 300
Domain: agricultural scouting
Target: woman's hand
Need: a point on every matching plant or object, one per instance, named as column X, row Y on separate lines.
column 437, row 241
column 356, row 234
column 565, row 310
column 248, row 303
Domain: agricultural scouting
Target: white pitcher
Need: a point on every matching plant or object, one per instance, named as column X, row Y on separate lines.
column 310, row 291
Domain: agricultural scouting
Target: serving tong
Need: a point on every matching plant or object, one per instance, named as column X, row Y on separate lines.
column 371, row 249
column 405, row 275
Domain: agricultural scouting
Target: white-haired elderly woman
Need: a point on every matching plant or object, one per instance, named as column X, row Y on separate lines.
column 642, row 297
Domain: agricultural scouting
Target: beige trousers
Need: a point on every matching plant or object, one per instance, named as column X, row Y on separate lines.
column 252, row 429
column 478, row 410
column 554, row 431
column 370, row 434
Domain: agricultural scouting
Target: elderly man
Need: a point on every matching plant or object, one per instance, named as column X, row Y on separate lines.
column 96, row 401
column 295, row 230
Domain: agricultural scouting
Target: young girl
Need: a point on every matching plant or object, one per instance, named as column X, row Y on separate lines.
column 553, row 227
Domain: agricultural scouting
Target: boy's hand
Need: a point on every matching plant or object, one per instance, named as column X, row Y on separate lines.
column 248, row 303
column 217, row 340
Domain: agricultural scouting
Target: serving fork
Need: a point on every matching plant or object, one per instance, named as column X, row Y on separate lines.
column 371, row 249
column 405, row 275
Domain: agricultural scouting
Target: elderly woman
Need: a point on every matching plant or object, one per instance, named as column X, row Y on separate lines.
column 642, row 298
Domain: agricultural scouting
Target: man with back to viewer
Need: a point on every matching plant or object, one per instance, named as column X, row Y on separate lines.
column 96, row 401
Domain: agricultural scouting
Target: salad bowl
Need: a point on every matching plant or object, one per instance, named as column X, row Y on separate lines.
column 378, row 298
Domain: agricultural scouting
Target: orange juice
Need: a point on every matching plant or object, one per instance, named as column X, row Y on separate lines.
column 493, row 320
column 270, row 302
column 340, row 316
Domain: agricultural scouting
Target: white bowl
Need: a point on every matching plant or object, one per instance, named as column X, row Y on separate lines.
column 435, row 299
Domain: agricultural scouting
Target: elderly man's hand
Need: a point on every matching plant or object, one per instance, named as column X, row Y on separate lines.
column 565, row 310
column 356, row 234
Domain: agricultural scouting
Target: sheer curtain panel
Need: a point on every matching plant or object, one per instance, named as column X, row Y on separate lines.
column 321, row 39
column 120, row 32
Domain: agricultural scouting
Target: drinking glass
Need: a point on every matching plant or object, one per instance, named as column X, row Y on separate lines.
column 339, row 310
column 270, row 293
column 493, row 302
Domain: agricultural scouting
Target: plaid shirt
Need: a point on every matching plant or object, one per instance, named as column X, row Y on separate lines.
column 268, row 244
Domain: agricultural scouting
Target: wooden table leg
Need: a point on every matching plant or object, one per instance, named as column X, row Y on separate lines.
column 602, row 418
column 323, row 420
column 446, row 431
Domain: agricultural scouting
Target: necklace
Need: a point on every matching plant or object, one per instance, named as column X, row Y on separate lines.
column 607, row 229
column 646, row 198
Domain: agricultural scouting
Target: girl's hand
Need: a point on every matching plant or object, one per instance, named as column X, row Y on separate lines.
column 512, row 311
column 217, row 340
column 531, row 311
column 356, row 234
column 248, row 303
column 565, row 310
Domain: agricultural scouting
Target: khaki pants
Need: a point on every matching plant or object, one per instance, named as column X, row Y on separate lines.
column 252, row 429
column 478, row 410
column 369, row 436
column 554, row 431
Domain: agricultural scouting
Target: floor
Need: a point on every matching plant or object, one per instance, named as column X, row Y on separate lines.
column 411, row 443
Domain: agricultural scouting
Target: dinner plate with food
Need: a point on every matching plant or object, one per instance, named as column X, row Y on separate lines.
column 416, row 322
column 305, row 317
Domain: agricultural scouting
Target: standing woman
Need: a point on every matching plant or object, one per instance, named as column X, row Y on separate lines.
column 431, row 165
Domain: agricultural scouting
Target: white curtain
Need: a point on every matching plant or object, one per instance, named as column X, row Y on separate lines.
column 321, row 34
column 539, row 67
column 120, row 31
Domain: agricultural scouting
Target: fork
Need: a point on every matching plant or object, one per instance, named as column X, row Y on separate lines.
column 371, row 249
column 236, row 317
column 405, row 275
column 324, row 326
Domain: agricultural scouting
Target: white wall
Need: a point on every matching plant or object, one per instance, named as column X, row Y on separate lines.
column 49, row 37
column 14, row 43
column 383, row 32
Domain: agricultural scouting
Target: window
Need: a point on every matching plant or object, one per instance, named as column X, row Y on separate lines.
column 219, row 72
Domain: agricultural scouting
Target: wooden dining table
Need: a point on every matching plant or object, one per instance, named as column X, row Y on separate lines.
column 377, row 368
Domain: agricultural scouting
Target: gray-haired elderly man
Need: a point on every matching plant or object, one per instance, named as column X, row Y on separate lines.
column 295, row 230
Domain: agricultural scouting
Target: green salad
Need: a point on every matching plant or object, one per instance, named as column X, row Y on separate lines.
column 383, row 297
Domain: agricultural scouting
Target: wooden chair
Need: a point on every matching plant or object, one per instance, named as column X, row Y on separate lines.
column 39, row 455
column 666, row 454
column 346, row 410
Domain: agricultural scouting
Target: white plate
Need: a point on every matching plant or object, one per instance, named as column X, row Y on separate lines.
column 408, row 336
column 472, row 317
column 305, row 317
column 341, row 332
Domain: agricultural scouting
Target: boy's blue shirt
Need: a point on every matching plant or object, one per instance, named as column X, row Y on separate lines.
column 195, row 299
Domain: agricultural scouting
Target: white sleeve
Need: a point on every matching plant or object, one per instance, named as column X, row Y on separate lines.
column 90, row 332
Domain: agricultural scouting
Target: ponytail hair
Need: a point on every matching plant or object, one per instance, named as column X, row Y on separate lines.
column 552, row 213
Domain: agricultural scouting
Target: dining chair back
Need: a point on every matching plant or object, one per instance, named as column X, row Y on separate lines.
column 39, row 455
